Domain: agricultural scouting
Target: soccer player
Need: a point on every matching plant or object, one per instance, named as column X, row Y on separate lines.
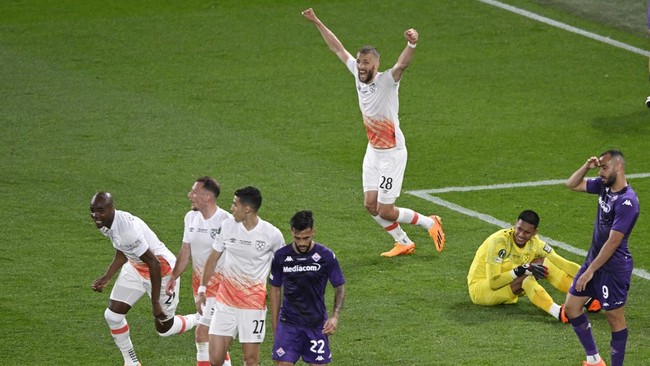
column 607, row 270
column 509, row 264
column 145, row 266
column 301, row 326
column 244, row 249
column 385, row 159
column 202, row 223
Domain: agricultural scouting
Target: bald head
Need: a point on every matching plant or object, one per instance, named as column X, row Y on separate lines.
column 102, row 210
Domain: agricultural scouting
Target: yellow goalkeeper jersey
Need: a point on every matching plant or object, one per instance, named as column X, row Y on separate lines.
column 499, row 254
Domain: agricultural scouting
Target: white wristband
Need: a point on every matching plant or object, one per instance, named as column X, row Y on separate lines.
column 412, row 45
column 201, row 289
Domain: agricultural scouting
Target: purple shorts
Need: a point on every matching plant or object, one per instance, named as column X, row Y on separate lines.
column 610, row 288
column 291, row 342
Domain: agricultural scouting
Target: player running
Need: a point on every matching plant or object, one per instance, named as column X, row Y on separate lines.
column 244, row 249
column 145, row 266
column 202, row 224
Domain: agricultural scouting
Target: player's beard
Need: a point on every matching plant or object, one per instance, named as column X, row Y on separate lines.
column 609, row 180
column 370, row 74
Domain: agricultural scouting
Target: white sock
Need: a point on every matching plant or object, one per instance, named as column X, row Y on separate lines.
column 182, row 323
column 408, row 216
column 394, row 229
column 121, row 336
column 202, row 354
column 555, row 310
column 593, row 359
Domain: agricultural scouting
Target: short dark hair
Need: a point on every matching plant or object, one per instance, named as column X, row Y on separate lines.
column 302, row 220
column 250, row 196
column 614, row 154
column 365, row 50
column 211, row 185
column 530, row 217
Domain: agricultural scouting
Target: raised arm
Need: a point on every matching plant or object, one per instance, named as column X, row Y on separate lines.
column 405, row 57
column 332, row 42
column 576, row 181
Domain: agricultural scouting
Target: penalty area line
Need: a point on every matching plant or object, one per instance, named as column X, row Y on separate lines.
column 427, row 195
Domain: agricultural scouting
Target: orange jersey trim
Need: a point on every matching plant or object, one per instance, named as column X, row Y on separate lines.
column 143, row 269
column 381, row 132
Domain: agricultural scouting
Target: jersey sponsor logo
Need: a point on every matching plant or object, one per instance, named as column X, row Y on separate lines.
column 301, row 268
column 604, row 206
column 192, row 229
column 288, row 259
column 130, row 247
column 316, row 257
column 260, row 245
column 547, row 248
column 627, row 203
column 280, row 352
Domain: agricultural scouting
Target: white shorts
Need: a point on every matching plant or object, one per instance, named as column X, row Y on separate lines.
column 248, row 323
column 383, row 171
column 130, row 286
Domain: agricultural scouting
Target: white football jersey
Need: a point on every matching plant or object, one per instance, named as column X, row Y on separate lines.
column 246, row 262
column 379, row 104
column 200, row 233
column 130, row 235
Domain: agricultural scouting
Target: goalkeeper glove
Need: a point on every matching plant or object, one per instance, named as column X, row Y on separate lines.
column 531, row 269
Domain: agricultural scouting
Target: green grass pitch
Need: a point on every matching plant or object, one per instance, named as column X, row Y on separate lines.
column 140, row 98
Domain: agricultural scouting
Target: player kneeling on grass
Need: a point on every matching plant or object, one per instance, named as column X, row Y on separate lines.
column 145, row 266
column 510, row 262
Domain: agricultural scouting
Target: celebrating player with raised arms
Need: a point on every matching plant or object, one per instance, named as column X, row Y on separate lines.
column 385, row 160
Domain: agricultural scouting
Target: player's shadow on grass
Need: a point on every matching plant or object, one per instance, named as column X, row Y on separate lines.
column 631, row 124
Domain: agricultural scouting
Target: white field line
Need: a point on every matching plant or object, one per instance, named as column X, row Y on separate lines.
column 566, row 27
column 427, row 195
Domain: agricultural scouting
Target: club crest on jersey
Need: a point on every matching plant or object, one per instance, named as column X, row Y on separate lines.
column 604, row 206
column 502, row 253
column 315, row 257
column 367, row 89
column 260, row 245
column 279, row 352
column 214, row 232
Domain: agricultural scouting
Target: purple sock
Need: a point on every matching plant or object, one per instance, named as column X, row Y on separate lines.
column 582, row 327
column 619, row 340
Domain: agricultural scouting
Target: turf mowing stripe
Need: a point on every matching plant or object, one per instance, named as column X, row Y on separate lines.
column 566, row 27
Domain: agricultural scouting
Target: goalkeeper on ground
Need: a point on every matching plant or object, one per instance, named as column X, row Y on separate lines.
column 509, row 264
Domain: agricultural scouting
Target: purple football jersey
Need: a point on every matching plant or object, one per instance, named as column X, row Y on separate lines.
column 303, row 278
column 616, row 211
